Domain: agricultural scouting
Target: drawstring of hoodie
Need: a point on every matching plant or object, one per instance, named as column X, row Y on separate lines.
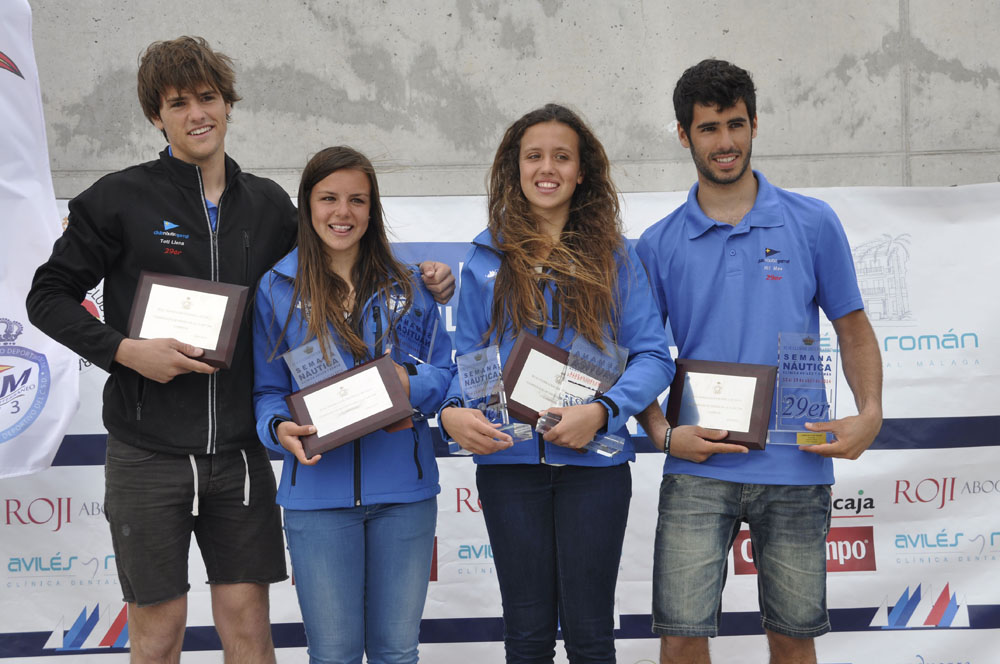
column 246, row 479
column 194, row 471
column 246, row 482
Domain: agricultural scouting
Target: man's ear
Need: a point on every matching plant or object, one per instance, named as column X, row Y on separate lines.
column 683, row 137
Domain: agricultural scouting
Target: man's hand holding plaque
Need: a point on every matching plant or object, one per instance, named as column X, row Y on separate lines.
column 728, row 396
column 179, row 311
column 161, row 360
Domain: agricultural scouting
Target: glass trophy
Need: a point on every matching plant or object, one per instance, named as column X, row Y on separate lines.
column 413, row 341
column 308, row 365
column 482, row 388
column 589, row 370
column 605, row 365
column 806, row 386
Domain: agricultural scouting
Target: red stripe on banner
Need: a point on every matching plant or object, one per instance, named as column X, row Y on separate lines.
column 934, row 617
column 116, row 628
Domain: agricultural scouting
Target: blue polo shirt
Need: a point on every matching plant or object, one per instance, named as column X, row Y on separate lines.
column 727, row 291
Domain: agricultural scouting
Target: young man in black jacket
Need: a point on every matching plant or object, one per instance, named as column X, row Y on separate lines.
column 183, row 454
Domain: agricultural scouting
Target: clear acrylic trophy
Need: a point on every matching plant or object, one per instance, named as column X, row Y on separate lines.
column 482, row 388
column 588, row 371
column 308, row 366
column 806, row 386
column 413, row 341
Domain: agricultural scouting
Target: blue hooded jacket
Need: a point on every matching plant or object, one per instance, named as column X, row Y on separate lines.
column 647, row 374
column 380, row 467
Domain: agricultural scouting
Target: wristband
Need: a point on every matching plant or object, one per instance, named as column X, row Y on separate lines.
column 666, row 441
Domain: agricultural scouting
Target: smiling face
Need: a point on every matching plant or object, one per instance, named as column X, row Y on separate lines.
column 340, row 204
column 720, row 143
column 195, row 124
column 549, row 163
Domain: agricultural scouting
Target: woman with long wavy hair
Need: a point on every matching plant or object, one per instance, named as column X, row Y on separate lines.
column 553, row 263
column 359, row 519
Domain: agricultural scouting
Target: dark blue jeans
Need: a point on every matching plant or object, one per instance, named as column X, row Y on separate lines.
column 556, row 533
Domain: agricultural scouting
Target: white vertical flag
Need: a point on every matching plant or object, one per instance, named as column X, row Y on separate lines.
column 38, row 377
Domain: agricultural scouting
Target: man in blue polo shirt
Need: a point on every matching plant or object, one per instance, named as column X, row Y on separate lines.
column 706, row 269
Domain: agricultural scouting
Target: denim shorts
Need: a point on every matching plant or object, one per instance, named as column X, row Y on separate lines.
column 699, row 519
column 148, row 501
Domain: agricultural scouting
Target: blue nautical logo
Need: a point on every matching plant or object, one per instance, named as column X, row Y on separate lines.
column 24, row 382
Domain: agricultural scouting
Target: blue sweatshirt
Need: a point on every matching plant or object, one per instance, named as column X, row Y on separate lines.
column 648, row 372
column 380, row 467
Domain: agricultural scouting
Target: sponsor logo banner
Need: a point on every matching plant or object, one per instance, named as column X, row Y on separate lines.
column 848, row 549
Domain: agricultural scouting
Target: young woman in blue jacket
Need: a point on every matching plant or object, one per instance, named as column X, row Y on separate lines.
column 553, row 262
column 359, row 519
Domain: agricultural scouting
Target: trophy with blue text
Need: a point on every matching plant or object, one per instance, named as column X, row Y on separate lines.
column 587, row 372
column 806, row 386
column 413, row 337
column 480, row 374
column 308, row 366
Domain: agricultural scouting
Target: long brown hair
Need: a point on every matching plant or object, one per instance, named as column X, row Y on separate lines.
column 581, row 266
column 323, row 293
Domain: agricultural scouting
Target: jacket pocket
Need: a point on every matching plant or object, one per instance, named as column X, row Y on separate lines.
column 416, row 454
column 246, row 259
column 140, row 394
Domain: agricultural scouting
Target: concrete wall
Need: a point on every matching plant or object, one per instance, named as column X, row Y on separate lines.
column 853, row 92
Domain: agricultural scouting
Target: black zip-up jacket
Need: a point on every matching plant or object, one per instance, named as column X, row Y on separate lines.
column 153, row 217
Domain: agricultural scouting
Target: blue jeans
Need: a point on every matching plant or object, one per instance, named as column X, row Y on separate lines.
column 698, row 522
column 361, row 575
column 556, row 533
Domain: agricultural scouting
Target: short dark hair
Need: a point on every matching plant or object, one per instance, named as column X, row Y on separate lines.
column 183, row 64
column 712, row 83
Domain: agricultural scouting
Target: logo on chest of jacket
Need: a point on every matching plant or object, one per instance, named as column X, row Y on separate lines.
column 771, row 266
column 170, row 239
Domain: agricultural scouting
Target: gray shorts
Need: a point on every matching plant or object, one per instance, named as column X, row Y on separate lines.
column 148, row 501
column 698, row 521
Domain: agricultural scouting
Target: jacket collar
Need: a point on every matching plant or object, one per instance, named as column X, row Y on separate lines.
column 485, row 239
column 289, row 265
column 186, row 175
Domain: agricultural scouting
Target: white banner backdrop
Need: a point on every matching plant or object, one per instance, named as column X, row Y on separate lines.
column 914, row 550
column 38, row 393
